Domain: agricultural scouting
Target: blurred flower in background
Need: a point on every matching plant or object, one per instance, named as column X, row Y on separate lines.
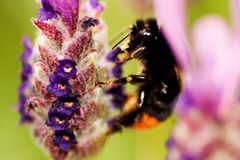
column 208, row 108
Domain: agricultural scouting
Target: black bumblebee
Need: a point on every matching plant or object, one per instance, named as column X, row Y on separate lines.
column 159, row 82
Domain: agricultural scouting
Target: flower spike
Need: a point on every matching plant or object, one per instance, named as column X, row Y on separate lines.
column 59, row 95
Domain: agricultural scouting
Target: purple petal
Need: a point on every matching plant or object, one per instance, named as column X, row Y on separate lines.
column 46, row 12
column 171, row 15
column 27, row 48
column 65, row 138
column 67, row 67
column 25, row 117
column 112, row 56
column 59, row 85
column 95, row 4
column 170, row 143
column 23, row 86
column 68, row 9
column 117, row 71
column 56, row 119
column 25, row 73
column 67, row 105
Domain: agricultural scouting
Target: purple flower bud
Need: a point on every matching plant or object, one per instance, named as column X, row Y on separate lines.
column 112, row 56
column 59, row 85
column 25, row 117
column 90, row 22
column 67, row 67
column 67, row 105
column 28, row 49
column 23, row 86
column 117, row 71
column 170, row 143
column 27, row 69
column 65, row 138
column 119, row 96
column 46, row 12
column 95, row 4
column 25, row 73
column 57, row 119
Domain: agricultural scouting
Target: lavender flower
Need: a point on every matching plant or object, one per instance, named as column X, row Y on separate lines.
column 25, row 74
column 46, row 12
column 64, row 138
column 27, row 69
column 67, row 105
column 67, row 67
column 208, row 107
column 25, row 117
column 59, row 90
column 95, row 4
column 57, row 119
column 59, row 85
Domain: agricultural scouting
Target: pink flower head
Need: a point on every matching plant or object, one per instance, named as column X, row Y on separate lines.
column 209, row 101
column 210, row 60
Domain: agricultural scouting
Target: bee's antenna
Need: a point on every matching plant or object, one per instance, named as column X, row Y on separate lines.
column 98, row 83
column 134, row 54
column 122, row 32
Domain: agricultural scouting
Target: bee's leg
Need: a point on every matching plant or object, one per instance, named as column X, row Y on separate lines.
column 137, row 53
column 125, row 120
column 132, row 79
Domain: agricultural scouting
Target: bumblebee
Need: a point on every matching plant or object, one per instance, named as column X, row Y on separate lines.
column 159, row 82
